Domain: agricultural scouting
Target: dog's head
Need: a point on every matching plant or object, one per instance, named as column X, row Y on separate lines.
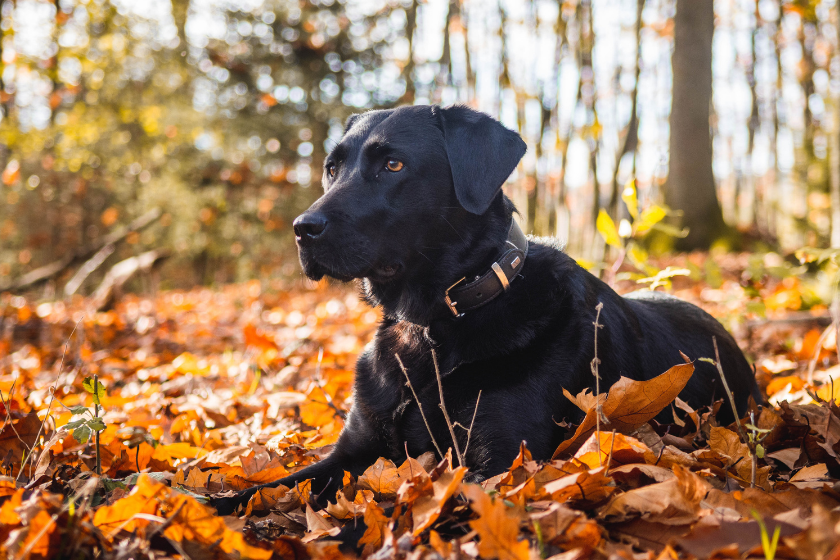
column 402, row 187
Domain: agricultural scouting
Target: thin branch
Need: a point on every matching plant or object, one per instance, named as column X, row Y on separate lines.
column 52, row 398
column 749, row 442
column 419, row 405
column 469, row 432
column 599, row 412
column 445, row 413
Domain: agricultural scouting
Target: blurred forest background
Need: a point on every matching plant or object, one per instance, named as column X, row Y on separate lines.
column 194, row 130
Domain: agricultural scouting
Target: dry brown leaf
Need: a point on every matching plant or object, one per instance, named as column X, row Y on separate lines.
column 590, row 487
column 815, row 476
column 673, row 502
column 497, row 527
column 427, row 508
column 630, row 404
column 585, row 399
column 345, row 509
column 567, row 528
column 377, row 529
column 728, row 443
column 317, row 526
column 619, row 450
column 384, row 478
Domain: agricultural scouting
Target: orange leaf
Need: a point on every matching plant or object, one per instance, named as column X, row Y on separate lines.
column 673, row 502
column 563, row 526
column 377, row 528
column 318, row 526
column 620, row 450
column 427, row 508
column 497, row 527
column 384, row 478
column 144, row 498
column 630, row 404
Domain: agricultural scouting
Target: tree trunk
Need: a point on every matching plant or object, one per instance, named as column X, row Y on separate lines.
column 691, row 184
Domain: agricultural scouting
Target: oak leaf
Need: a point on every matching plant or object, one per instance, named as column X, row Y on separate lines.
column 384, row 478
column 497, row 527
column 377, row 528
column 427, row 508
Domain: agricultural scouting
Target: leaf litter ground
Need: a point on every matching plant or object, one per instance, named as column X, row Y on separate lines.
column 212, row 391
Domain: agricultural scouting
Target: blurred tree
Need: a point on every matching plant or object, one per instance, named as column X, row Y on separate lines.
column 219, row 114
column 691, row 184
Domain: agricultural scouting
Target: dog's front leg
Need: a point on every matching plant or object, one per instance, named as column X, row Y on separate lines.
column 357, row 448
column 325, row 474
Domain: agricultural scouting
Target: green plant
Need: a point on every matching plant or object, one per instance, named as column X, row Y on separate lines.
column 768, row 545
column 83, row 427
column 627, row 236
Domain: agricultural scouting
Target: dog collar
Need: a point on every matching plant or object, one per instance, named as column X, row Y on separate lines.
column 495, row 281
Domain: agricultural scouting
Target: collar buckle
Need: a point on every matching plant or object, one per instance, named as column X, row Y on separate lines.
column 451, row 304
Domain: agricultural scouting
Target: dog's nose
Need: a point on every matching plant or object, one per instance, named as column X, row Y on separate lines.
column 309, row 227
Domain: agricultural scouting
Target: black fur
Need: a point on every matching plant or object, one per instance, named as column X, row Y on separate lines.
column 410, row 234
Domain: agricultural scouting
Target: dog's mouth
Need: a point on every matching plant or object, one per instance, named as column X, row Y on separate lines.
column 316, row 268
column 386, row 272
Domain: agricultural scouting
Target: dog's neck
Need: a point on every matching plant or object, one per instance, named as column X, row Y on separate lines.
column 467, row 252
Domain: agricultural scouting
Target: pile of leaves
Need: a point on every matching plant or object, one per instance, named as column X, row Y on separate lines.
column 180, row 396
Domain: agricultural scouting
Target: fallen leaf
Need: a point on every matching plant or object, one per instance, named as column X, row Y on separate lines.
column 630, row 404
column 317, row 526
column 377, row 528
column 427, row 508
column 673, row 502
column 497, row 528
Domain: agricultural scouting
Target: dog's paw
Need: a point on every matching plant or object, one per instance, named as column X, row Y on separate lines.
column 227, row 505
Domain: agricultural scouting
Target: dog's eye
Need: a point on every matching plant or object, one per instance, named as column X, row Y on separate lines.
column 331, row 170
column 394, row 165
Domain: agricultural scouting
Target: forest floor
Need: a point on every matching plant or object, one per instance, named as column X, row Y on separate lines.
column 187, row 394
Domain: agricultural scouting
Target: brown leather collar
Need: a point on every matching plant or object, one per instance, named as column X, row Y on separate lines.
column 484, row 289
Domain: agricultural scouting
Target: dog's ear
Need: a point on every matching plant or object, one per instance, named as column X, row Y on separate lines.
column 482, row 154
column 351, row 120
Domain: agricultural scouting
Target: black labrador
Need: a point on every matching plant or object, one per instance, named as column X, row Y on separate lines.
column 413, row 207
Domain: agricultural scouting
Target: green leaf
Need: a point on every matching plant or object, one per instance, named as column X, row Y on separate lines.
column 74, row 424
column 96, row 424
column 637, row 255
column 759, row 451
column 606, row 227
column 628, row 195
column 754, row 428
column 78, row 409
column 100, row 389
column 709, row 360
column 81, row 434
column 668, row 229
column 112, row 483
column 650, row 217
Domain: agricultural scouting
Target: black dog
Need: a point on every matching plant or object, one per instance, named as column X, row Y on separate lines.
column 413, row 207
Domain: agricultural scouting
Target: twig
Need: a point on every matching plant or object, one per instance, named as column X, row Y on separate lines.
column 445, row 413
column 8, row 406
column 609, row 457
column 750, row 444
column 419, row 405
column 96, row 414
column 469, row 432
column 812, row 365
column 599, row 412
column 52, row 398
